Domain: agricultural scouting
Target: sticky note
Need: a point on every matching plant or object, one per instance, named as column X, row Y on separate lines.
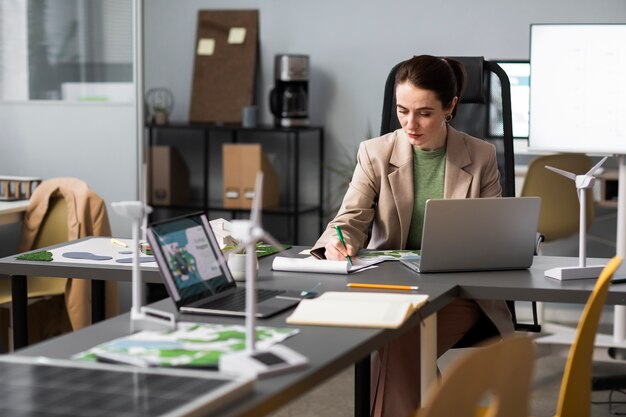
column 206, row 46
column 237, row 35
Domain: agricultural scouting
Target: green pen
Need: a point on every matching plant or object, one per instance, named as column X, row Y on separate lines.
column 338, row 229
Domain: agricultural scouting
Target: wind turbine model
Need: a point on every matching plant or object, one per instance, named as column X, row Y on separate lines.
column 583, row 182
column 277, row 357
column 141, row 318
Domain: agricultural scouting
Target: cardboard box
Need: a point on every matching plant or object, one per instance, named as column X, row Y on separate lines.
column 168, row 178
column 241, row 163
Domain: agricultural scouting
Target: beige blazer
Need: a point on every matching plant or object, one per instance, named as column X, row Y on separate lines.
column 381, row 195
column 87, row 216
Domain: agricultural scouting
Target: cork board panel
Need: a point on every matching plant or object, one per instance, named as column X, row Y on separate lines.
column 224, row 65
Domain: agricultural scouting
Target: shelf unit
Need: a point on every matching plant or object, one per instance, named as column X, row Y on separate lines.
column 608, row 187
column 295, row 153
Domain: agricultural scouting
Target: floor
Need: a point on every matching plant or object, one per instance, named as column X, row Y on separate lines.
column 335, row 397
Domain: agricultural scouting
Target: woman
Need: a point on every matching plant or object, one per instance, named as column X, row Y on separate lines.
column 395, row 175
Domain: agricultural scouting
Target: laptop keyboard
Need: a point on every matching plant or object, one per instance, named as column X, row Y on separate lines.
column 236, row 301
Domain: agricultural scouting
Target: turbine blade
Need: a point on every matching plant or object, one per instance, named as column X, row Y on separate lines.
column 596, row 166
column 255, row 215
column 267, row 238
column 564, row 173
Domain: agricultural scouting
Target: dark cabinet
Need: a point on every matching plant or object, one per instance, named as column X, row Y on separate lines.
column 296, row 155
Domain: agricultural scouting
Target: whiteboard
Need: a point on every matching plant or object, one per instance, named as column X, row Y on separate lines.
column 578, row 88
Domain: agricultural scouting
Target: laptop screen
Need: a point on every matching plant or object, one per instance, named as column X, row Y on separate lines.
column 189, row 257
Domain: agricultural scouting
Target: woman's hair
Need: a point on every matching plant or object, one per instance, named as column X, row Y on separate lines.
column 444, row 76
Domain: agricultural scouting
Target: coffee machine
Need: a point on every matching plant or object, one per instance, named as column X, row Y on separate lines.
column 289, row 99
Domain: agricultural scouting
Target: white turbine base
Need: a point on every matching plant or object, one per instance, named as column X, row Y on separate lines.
column 574, row 272
column 250, row 363
column 150, row 319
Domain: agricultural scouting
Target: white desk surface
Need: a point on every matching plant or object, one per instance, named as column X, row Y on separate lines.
column 12, row 211
column 101, row 246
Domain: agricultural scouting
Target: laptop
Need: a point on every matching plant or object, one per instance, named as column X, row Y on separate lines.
column 478, row 234
column 196, row 274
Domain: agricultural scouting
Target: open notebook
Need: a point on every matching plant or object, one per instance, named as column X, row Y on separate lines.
column 357, row 309
column 312, row 264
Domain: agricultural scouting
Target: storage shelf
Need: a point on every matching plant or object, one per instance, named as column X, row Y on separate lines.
column 296, row 154
column 283, row 210
column 229, row 128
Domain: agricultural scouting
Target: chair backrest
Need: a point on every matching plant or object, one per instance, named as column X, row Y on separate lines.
column 560, row 209
column 575, row 394
column 54, row 226
column 474, row 111
column 53, row 230
column 502, row 370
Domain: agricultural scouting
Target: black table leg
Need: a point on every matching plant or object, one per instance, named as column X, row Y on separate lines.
column 362, row 387
column 19, row 294
column 97, row 300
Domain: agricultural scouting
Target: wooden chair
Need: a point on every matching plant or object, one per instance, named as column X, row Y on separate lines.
column 560, row 213
column 501, row 370
column 481, row 371
column 575, row 394
column 43, row 289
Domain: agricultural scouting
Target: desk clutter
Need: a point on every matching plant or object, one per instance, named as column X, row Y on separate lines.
column 17, row 188
column 366, row 258
column 191, row 345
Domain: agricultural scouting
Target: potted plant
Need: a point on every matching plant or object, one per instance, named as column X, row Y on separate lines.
column 237, row 260
column 160, row 103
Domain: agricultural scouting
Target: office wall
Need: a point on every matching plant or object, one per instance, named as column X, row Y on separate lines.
column 353, row 44
column 93, row 142
column 90, row 141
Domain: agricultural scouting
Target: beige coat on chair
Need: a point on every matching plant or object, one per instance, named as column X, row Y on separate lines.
column 87, row 216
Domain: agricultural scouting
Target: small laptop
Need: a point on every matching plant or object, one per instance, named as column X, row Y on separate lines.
column 478, row 234
column 196, row 274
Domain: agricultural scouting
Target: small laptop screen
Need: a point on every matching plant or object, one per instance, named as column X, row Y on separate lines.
column 188, row 250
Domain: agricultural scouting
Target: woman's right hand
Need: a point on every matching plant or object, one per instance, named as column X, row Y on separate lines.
column 335, row 251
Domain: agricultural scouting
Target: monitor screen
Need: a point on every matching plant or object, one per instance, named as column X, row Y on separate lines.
column 189, row 258
column 578, row 88
column 518, row 73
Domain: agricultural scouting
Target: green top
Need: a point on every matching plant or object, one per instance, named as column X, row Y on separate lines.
column 428, row 174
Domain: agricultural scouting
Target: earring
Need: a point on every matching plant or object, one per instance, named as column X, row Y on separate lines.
column 448, row 118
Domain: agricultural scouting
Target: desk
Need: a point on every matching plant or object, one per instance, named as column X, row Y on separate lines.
column 12, row 211
column 18, row 270
column 326, row 359
column 351, row 346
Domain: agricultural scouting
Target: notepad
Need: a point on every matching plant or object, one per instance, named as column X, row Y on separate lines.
column 312, row 264
column 357, row 309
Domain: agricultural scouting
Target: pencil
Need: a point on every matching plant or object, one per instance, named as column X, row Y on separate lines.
column 119, row 243
column 382, row 286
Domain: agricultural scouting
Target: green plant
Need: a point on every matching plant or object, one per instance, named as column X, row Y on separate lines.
column 341, row 169
column 236, row 246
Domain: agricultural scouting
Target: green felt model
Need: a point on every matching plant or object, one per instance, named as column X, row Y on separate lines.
column 43, row 255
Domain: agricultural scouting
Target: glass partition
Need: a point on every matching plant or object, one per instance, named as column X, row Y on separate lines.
column 518, row 73
column 70, row 50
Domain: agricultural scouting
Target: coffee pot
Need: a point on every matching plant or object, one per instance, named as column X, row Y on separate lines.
column 289, row 99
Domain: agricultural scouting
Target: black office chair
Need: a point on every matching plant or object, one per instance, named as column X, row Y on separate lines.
column 484, row 111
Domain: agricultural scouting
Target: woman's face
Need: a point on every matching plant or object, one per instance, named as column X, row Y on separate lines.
column 422, row 116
